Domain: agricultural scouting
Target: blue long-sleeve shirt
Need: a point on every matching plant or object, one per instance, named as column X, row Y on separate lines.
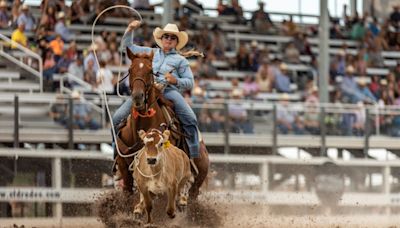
column 164, row 63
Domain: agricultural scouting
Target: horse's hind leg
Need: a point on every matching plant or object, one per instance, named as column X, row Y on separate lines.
column 183, row 190
column 202, row 164
column 126, row 174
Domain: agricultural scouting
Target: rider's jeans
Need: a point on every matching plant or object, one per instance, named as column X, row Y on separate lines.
column 183, row 111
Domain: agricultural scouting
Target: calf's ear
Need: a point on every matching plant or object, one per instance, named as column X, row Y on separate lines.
column 142, row 134
column 166, row 135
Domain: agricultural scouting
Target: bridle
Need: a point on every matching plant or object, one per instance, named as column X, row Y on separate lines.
column 148, row 87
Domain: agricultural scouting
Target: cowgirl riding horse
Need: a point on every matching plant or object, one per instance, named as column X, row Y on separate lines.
column 171, row 68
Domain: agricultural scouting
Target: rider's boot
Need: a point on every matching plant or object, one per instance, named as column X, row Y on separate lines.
column 117, row 177
column 194, row 168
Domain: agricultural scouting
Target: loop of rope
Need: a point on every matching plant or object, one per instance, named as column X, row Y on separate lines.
column 119, row 73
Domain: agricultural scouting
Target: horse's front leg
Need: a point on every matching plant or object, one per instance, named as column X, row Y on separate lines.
column 172, row 190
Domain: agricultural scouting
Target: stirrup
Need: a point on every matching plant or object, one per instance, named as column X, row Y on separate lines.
column 194, row 167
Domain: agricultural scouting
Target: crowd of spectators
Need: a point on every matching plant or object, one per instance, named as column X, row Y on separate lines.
column 266, row 68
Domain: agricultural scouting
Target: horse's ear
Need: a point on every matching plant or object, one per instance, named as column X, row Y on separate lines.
column 142, row 134
column 166, row 135
column 130, row 54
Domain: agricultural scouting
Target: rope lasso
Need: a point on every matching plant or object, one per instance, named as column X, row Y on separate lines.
column 114, row 135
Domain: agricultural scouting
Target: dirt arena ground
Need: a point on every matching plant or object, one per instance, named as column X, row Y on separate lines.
column 113, row 212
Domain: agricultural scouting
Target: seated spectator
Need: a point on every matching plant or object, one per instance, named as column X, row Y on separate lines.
column 243, row 58
column 234, row 9
column 338, row 65
column 82, row 113
column 192, row 7
column 375, row 86
column 359, row 120
column 15, row 9
column 4, row 16
column 76, row 69
column 61, row 28
column 57, row 46
column 358, row 30
column 115, row 55
column 105, row 78
column 360, row 62
column 19, row 36
column 350, row 90
column 72, row 51
column 58, row 111
column 289, row 28
column 254, row 56
column 362, row 83
column 301, row 43
column 206, row 69
column 260, row 20
column 335, row 31
column 90, row 57
column 282, row 81
column 250, row 87
column 49, row 68
column 265, row 77
column 219, row 44
column 395, row 17
column 288, row 120
column 90, row 74
column 238, row 114
column 27, row 19
column 311, row 118
column 48, row 19
column 76, row 14
column 375, row 57
column 396, row 71
column 63, row 63
column 292, row 55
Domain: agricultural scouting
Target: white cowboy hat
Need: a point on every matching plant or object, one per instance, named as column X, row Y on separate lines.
column 3, row 4
column 60, row 15
column 171, row 29
column 75, row 94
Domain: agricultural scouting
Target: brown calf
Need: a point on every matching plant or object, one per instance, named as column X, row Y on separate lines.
column 161, row 167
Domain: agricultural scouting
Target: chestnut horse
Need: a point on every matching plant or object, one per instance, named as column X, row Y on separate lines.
column 146, row 113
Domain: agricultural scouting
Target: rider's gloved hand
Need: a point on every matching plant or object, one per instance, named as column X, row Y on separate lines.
column 133, row 25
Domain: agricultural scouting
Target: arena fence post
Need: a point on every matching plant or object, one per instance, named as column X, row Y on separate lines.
column 366, row 133
column 70, row 123
column 323, row 132
column 264, row 174
column 16, row 121
column 226, row 128
column 56, row 184
column 274, row 130
column 386, row 172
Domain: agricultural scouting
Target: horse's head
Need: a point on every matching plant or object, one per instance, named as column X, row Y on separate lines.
column 153, row 142
column 140, row 77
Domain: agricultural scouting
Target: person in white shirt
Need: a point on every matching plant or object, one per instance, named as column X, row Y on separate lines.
column 76, row 69
column 105, row 79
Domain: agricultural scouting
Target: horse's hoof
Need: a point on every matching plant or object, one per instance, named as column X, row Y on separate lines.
column 182, row 208
column 171, row 214
column 137, row 215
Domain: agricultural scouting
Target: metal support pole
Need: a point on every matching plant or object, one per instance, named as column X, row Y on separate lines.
column 366, row 133
column 167, row 16
column 323, row 132
column 264, row 174
column 323, row 58
column 226, row 128
column 57, row 184
column 386, row 184
column 16, row 121
column 274, row 131
column 71, row 123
